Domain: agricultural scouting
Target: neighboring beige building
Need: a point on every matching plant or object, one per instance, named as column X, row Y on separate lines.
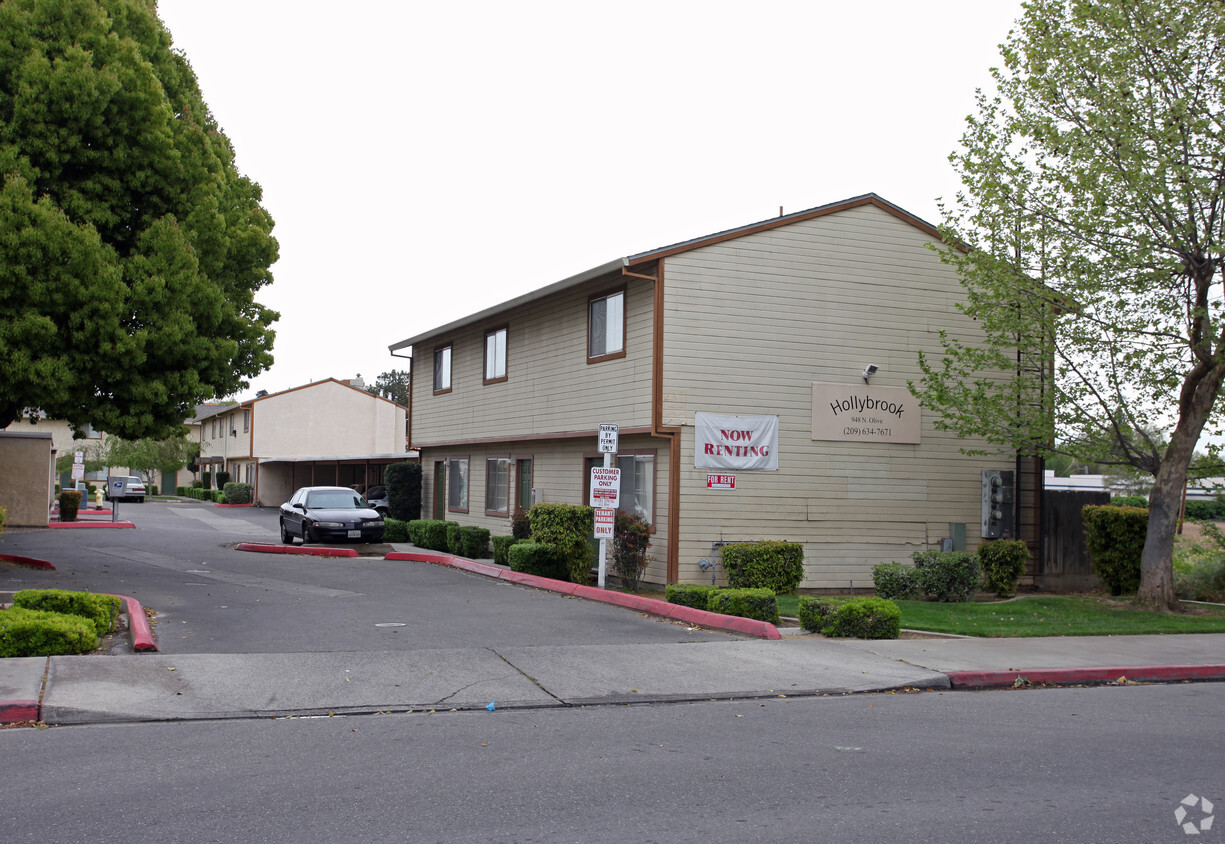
column 323, row 433
column 736, row 367
column 27, row 477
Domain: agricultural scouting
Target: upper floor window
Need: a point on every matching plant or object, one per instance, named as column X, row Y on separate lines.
column 442, row 369
column 495, row 355
column 214, row 436
column 606, row 326
column 246, row 421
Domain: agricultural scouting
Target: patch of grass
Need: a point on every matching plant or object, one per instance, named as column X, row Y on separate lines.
column 1050, row 615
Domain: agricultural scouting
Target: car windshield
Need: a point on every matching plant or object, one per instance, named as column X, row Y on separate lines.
column 336, row 499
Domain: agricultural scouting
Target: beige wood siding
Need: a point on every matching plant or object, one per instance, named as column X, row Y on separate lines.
column 558, row 468
column 326, row 419
column 750, row 324
column 549, row 386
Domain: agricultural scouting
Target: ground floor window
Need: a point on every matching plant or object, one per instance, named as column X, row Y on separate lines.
column 457, row 484
column 497, row 486
column 637, row 493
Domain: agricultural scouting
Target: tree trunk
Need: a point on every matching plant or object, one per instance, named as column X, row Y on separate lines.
column 1156, row 562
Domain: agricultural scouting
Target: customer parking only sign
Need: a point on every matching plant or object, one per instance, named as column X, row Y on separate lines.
column 605, row 487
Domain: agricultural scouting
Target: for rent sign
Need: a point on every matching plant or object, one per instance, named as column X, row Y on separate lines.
column 851, row 413
column 735, row 442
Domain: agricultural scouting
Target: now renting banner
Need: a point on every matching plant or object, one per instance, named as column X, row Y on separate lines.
column 739, row 443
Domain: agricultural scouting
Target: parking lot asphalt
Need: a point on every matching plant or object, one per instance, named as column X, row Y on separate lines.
column 287, row 635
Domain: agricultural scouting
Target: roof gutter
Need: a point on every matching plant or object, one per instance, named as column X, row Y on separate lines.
column 574, row 280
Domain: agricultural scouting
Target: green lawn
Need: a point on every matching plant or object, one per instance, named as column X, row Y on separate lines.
column 1046, row 615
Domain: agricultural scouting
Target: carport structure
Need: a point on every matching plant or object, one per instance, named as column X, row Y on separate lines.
column 278, row 477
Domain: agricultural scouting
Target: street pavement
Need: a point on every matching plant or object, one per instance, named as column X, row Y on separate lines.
column 633, row 665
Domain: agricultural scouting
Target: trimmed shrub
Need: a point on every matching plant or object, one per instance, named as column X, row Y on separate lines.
column 455, row 538
column 474, row 542
column 696, row 595
column 237, row 493
column 70, row 503
column 1128, row 501
column 760, row 604
column 816, row 612
column 567, row 527
column 896, row 580
column 99, row 610
column 197, row 484
column 404, row 491
column 1115, row 538
column 777, row 566
column 395, row 530
column 180, row 490
column 501, row 546
column 1003, row 562
column 520, row 525
column 857, row 618
column 218, row 496
column 38, row 633
column 951, row 576
column 206, row 480
column 153, row 489
column 631, row 538
column 221, row 479
column 433, row 535
column 537, row 558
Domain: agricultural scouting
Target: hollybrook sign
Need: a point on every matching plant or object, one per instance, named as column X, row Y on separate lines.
column 851, row 413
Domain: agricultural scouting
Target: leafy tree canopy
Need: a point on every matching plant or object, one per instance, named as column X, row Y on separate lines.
column 1094, row 208
column 395, row 385
column 131, row 248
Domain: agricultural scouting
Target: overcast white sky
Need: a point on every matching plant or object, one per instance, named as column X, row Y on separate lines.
column 424, row 161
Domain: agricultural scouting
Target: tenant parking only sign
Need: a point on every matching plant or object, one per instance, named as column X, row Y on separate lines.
column 605, row 488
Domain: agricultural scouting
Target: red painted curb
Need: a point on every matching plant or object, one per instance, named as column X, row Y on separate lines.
column 138, row 625
column 27, row 561
column 215, row 504
column 653, row 606
column 90, row 525
column 309, row 551
column 1071, row 676
column 13, row 711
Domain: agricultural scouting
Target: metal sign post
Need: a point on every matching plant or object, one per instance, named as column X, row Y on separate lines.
column 605, row 490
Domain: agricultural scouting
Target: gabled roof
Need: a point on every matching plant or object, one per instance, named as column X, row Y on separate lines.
column 641, row 258
column 219, row 409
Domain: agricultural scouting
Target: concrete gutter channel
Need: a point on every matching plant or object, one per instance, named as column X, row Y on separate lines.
column 160, row 687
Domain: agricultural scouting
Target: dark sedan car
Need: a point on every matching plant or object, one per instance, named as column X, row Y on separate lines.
column 335, row 513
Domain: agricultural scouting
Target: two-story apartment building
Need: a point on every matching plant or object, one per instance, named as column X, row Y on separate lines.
column 758, row 377
column 323, row 433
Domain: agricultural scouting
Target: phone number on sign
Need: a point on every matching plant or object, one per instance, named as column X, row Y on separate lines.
column 867, row 432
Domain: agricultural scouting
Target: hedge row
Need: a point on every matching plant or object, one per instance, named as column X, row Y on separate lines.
column 448, row 537
column 954, row 575
column 858, row 618
column 49, row 622
column 759, row 604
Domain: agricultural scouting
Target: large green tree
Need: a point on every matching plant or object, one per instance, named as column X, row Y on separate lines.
column 395, row 385
column 1093, row 210
column 131, row 248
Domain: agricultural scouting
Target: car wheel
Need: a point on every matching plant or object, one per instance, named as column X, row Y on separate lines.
column 140, row 501
column 286, row 536
column 306, row 534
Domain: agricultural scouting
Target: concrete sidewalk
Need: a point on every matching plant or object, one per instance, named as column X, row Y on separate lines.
column 158, row 687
